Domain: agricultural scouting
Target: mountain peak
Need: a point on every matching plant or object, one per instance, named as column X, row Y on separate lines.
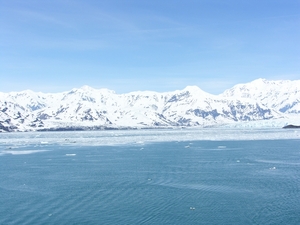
column 192, row 88
column 89, row 89
column 195, row 90
column 281, row 95
column 86, row 87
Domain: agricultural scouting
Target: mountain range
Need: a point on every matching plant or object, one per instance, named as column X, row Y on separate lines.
column 87, row 108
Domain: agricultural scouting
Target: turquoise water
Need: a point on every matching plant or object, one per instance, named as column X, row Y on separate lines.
column 57, row 178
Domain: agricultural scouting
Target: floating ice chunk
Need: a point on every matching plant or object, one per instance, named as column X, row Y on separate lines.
column 71, row 154
column 192, row 208
column 273, row 168
column 221, row 146
column 25, row 152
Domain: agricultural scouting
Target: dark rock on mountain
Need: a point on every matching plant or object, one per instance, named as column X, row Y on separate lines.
column 290, row 126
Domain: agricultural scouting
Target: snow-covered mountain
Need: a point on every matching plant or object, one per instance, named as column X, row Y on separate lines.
column 281, row 95
column 88, row 108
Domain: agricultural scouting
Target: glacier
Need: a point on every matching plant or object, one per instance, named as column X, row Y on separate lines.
column 260, row 103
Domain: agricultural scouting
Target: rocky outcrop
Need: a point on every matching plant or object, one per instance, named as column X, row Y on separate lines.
column 291, row 126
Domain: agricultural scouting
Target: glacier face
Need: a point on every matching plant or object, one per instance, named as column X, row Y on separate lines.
column 89, row 108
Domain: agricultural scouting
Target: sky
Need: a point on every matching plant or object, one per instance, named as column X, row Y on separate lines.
column 138, row 45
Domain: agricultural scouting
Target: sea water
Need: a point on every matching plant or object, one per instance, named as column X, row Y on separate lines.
column 190, row 176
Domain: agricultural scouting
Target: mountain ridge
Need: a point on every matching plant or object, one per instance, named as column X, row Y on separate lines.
column 89, row 108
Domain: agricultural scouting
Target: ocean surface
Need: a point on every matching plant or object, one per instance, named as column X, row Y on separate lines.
column 188, row 176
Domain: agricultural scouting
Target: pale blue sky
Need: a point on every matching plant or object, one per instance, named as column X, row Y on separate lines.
column 130, row 45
